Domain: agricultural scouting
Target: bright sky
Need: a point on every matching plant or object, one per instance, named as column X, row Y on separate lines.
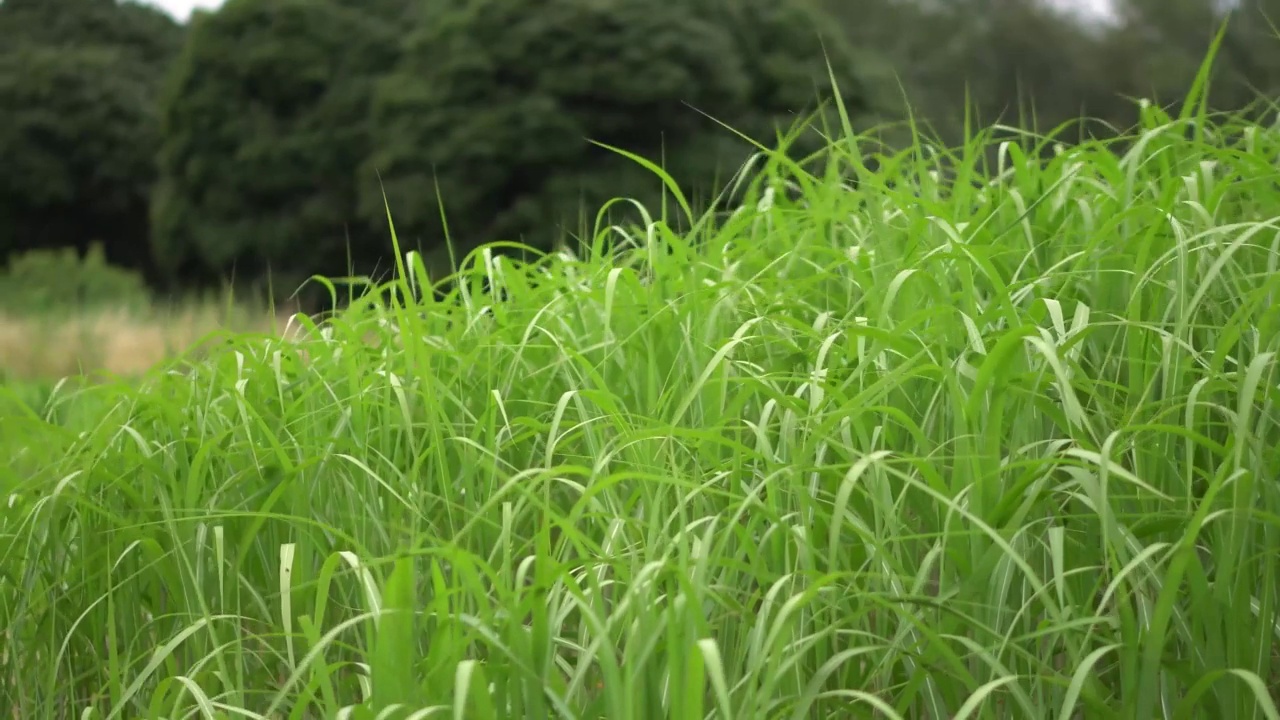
column 181, row 9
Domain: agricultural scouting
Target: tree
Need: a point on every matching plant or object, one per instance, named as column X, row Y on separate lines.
column 78, row 83
column 1172, row 37
column 494, row 105
column 1039, row 67
column 264, row 127
column 1007, row 61
column 140, row 32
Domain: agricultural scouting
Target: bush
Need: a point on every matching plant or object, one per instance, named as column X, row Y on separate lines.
column 494, row 105
column 60, row 280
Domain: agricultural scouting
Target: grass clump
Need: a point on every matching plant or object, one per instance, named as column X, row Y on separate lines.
column 998, row 446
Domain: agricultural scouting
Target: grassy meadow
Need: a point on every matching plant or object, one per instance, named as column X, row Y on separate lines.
column 950, row 441
column 121, row 341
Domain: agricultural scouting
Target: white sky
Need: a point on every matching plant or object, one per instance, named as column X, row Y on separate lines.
column 181, row 9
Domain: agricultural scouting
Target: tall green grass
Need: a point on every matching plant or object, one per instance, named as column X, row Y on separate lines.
column 934, row 441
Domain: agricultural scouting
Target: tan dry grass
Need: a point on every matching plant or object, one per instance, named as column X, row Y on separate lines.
column 112, row 341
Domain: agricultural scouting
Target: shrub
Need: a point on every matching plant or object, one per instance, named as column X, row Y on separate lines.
column 61, row 279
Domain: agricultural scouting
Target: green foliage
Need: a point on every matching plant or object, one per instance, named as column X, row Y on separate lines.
column 494, row 105
column 943, row 446
column 144, row 33
column 789, row 49
column 61, row 279
column 1162, row 41
column 78, row 81
column 286, row 121
column 264, row 126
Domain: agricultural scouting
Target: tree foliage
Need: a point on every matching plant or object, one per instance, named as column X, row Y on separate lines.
column 140, row 32
column 78, row 81
column 493, row 106
column 265, row 126
column 1164, row 43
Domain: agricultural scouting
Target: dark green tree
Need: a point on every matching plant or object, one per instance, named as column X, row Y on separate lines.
column 493, row 105
column 140, row 32
column 264, row 126
column 1013, row 62
column 78, row 87
column 1168, row 40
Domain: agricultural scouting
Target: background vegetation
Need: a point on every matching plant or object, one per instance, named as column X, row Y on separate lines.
column 261, row 140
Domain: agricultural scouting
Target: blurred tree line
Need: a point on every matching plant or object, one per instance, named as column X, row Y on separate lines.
column 269, row 137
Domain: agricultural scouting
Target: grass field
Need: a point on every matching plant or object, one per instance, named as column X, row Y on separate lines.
column 1002, row 446
column 118, row 341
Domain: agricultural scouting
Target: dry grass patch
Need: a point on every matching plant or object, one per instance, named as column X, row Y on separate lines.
column 112, row 340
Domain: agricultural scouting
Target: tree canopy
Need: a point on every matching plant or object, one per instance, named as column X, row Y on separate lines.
column 494, row 107
column 265, row 126
column 140, row 32
column 78, row 83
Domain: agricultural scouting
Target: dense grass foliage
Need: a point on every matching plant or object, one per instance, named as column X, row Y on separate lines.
column 933, row 441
